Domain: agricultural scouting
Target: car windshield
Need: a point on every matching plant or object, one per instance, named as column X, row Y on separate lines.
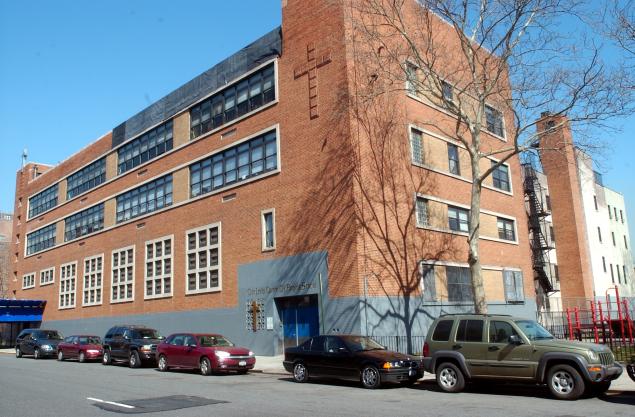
column 533, row 330
column 89, row 340
column 213, row 341
column 145, row 334
column 49, row 335
column 361, row 343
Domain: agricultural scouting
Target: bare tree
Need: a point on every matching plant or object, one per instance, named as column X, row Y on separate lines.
column 494, row 67
column 621, row 26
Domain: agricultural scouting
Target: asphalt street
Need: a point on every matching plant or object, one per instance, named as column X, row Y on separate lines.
column 50, row 388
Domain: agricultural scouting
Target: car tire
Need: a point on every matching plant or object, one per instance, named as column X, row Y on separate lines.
column 134, row 361
column 18, row 352
column 370, row 377
column 107, row 358
column 162, row 363
column 565, row 382
column 450, row 378
column 60, row 355
column 37, row 354
column 300, row 372
column 82, row 357
column 206, row 367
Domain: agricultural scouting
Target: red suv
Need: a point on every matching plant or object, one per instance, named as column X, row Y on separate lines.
column 207, row 352
column 81, row 347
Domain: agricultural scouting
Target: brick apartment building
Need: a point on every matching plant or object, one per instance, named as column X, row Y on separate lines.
column 233, row 205
column 6, row 224
column 585, row 235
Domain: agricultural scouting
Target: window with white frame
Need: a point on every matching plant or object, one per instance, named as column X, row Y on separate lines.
column 68, row 281
column 28, row 281
column 203, row 259
column 458, row 219
column 268, row 229
column 454, row 166
column 47, row 276
column 422, row 212
column 494, row 121
column 93, row 280
column 506, row 230
column 158, row 268
column 500, row 177
column 459, row 284
column 122, row 275
column 416, row 146
column 411, row 78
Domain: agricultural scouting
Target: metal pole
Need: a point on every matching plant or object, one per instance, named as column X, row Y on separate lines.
column 320, row 300
column 577, row 323
column 569, row 325
column 366, row 304
column 593, row 318
column 619, row 311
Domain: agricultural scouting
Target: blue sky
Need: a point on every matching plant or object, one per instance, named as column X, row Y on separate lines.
column 71, row 71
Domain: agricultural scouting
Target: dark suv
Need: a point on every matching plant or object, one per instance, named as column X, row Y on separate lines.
column 133, row 344
column 37, row 342
column 459, row 348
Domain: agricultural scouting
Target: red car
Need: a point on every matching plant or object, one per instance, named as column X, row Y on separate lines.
column 207, row 352
column 84, row 348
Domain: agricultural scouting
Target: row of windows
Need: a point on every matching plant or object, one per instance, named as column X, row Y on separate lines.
column 613, row 238
column 239, row 163
column 43, row 201
column 459, row 220
column 614, row 214
column 471, row 330
column 500, row 176
column 146, row 147
column 41, row 239
column 86, row 178
column 145, row 199
column 233, row 102
column 83, row 223
column 620, row 274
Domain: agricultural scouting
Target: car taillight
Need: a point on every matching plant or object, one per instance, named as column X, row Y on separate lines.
column 426, row 349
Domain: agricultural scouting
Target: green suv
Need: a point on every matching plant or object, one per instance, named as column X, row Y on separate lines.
column 463, row 347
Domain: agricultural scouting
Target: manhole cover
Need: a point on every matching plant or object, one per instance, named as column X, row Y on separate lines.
column 152, row 405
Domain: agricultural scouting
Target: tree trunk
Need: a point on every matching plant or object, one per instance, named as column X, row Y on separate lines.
column 474, row 260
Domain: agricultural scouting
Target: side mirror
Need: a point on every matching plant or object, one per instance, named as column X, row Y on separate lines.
column 515, row 340
column 192, row 345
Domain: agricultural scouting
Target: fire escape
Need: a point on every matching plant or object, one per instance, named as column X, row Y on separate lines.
column 540, row 247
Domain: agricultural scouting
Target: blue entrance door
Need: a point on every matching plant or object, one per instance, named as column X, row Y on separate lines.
column 300, row 319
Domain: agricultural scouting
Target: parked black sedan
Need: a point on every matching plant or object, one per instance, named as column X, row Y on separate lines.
column 356, row 358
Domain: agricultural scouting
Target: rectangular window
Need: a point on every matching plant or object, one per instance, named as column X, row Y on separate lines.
column 610, row 214
column 506, row 229
column 500, row 177
column 203, row 259
column 556, row 272
column 615, row 212
column 548, row 201
column 428, row 282
column 422, row 212
column 453, row 159
column 624, row 269
column 604, row 263
column 595, row 202
column 612, row 274
column 145, row 147
column 86, row 178
column 84, row 223
column 619, row 274
column 47, row 276
column 447, row 90
column 459, row 284
column 552, row 234
column 93, row 280
column 599, row 234
column 158, row 268
column 268, row 229
column 513, row 282
column 613, row 237
column 28, row 281
column 145, row 199
column 41, row 239
column 43, row 201
column 494, row 121
column 241, row 162
column 416, row 146
column 470, row 331
column 233, row 101
column 411, row 78
column 458, row 219
column 122, row 275
column 625, row 243
column 442, row 331
column 622, row 216
column 68, row 280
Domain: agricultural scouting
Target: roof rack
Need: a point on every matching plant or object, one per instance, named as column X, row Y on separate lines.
column 475, row 314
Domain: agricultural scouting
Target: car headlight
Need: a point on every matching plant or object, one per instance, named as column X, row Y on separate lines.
column 390, row 365
column 593, row 355
column 146, row 347
column 47, row 347
column 221, row 354
column 251, row 353
column 93, row 351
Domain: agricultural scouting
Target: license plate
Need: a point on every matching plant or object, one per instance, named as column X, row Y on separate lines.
column 242, row 363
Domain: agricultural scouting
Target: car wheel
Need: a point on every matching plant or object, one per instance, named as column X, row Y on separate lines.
column 565, row 383
column 163, row 363
column 370, row 377
column 450, row 378
column 134, row 360
column 206, row 367
column 630, row 369
column 37, row 354
column 107, row 358
column 300, row 372
column 18, row 352
column 82, row 357
column 60, row 355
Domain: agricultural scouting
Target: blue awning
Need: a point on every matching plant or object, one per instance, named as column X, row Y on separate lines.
column 15, row 311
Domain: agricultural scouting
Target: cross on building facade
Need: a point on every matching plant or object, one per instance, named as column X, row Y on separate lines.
column 315, row 60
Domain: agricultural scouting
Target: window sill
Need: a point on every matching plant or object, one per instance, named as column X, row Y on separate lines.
column 157, row 297
column 92, row 304
column 208, row 291
column 47, row 283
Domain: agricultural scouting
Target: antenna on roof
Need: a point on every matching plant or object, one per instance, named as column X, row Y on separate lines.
column 25, row 155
